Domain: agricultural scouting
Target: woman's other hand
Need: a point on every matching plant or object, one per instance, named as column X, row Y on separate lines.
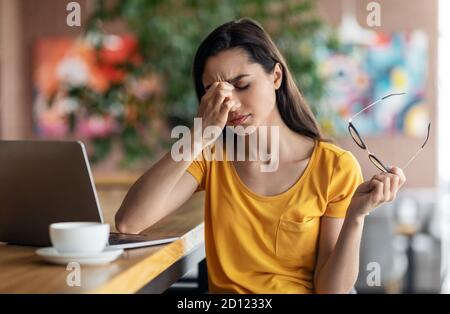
column 380, row 189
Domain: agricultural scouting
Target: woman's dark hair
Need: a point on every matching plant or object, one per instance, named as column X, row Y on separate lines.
column 248, row 35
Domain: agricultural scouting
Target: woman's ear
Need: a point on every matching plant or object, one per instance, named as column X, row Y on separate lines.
column 278, row 75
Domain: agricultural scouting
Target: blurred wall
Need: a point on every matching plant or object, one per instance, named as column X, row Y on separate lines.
column 22, row 22
column 12, row 80
column 396, row 150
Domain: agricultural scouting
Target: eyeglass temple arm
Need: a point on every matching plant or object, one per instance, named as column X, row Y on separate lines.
column 411, row 159
column 419, row 150
column 373, row 104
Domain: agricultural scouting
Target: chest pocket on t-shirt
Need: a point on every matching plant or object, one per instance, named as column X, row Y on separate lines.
column 297, row 241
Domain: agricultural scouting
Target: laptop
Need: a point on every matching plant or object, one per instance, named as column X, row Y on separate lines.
column 43, row 182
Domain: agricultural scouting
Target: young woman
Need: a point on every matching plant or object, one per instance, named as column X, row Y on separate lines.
column 293, row 230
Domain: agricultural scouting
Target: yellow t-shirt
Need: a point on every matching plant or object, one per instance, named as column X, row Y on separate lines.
column 269, row 244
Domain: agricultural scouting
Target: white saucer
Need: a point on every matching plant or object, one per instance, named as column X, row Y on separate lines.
column 49, row 254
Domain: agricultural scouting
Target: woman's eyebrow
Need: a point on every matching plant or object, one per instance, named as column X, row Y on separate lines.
column 232, row 80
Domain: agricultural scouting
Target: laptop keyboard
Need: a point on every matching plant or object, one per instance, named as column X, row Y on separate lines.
column 121, row 238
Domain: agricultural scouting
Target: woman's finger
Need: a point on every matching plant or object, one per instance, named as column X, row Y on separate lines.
column 208, row 99
column 379, row 177
column 398, row 171
column 377, row 191
column 226, row 107
column 215, row 89
column 384, row 179
column 386, row 187
column 221, row 96
column 211, row 90
column 395, row 181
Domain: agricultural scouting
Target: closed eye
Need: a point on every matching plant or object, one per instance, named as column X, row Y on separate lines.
column 244, row 87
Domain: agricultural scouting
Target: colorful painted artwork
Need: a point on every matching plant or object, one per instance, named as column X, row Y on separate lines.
column 64, row 66
column 361, row 74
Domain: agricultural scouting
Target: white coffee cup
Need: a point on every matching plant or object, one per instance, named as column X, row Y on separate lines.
column 79, row 237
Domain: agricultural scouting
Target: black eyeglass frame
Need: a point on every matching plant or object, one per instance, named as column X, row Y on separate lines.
column 360, row 142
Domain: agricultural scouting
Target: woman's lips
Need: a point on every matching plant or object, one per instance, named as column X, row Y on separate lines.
column 239, row 119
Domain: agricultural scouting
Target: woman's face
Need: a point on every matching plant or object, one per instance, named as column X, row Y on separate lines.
column 254, row 89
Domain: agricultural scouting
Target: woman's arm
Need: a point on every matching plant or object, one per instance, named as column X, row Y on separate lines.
column 151, row 197
column 338, row 259
column 167, row 184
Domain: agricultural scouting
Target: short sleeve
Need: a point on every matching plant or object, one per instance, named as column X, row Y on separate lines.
column 346, row 177
column 198, row 169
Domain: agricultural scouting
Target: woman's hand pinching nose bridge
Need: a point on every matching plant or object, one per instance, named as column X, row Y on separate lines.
column 233, row 104
column 230, row 102
column 216, row 104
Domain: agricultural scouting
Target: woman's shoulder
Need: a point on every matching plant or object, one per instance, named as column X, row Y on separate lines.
column 331, row 148
column 340, row 164
column 212, row 154
column 332, row 153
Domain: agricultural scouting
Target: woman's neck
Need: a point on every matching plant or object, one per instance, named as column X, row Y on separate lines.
column 277, row 140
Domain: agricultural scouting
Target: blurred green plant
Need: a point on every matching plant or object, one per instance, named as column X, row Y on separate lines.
column 168, row 33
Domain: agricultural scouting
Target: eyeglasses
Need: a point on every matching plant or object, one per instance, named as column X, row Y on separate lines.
column 359, row 141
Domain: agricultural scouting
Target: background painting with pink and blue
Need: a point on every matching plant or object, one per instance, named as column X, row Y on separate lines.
column 359, row 74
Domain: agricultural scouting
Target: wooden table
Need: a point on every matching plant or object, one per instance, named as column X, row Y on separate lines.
column 156, row 268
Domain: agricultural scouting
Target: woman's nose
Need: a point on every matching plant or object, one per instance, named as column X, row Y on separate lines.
column 237, row 103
